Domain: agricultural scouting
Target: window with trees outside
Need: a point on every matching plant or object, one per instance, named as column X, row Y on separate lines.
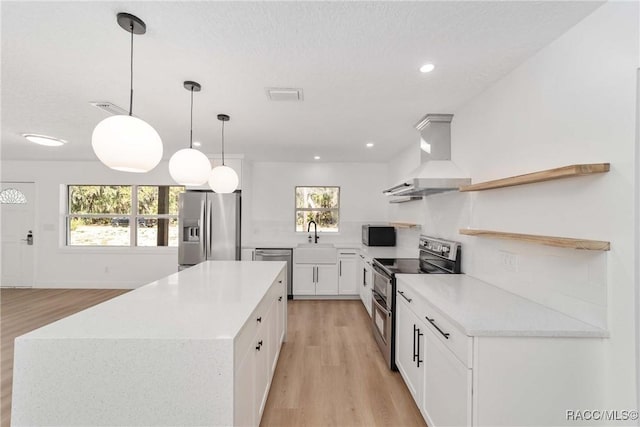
column 320, row 204
column 122, row 215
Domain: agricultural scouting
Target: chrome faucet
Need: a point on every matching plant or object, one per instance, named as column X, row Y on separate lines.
column 315, row 230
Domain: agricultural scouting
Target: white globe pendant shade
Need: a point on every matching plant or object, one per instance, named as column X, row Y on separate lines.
column 223, row 179
column 189, row 167
column 126, row 143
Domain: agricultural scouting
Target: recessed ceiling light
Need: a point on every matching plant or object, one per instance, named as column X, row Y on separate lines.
column 427, row 68
column 369, row 144
column 196, row 144
column 316, row 157
column 44, row 140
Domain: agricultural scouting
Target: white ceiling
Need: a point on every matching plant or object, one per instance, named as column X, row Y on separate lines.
column 356, row 61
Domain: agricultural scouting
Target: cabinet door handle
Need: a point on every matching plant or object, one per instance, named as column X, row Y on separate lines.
column 414, row 342
column 317, row 274
column 259, row 345
column 280, row 298
column 259, row 319
column 418, row 348
column 402, row 295
column 433, row 322
column 340, row 268
column 279, row 281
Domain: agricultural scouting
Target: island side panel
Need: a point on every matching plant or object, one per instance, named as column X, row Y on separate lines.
column 535, row 380
column 81, row 382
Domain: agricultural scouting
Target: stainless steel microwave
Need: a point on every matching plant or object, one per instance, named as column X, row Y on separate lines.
column 378, row 235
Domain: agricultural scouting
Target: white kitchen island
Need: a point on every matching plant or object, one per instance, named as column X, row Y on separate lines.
column 198, row 347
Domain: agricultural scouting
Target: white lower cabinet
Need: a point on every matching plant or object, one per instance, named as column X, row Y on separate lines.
column 438, row 380
column 304, row 279
column 326, row 279
column 257, row 347
column 365, row 278
column 410, row 352
column 447, row 385
column 491, row 380
column 347, row 272
column 311, row 279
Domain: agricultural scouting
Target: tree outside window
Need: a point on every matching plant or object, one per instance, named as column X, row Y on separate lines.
column 122, row 215
column 320, row 204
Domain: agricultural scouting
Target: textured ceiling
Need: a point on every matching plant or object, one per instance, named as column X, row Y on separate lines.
column 356, row 61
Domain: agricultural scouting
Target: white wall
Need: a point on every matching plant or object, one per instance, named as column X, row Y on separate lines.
column 272, row 199
column 60, row 266
column 572, row 102
column 267, row 215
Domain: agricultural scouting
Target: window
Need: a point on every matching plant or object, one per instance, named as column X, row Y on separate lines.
column 122, row 215
column 320, row 204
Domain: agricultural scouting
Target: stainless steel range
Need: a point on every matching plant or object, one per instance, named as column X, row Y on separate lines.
column 437, row 256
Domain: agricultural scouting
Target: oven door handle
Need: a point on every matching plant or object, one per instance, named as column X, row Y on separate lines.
column 380, row 306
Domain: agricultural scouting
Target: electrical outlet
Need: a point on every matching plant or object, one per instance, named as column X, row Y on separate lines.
column 509, row 261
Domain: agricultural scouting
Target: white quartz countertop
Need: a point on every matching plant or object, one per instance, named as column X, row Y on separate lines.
column 481, row 309
column 211, row 300
column 369, row 251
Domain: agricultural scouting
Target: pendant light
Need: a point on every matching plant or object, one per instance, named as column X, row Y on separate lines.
column 223, row 179
column 189, row 166
column 127, row 143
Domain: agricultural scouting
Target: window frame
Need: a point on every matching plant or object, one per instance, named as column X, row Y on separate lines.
column 296, row 209
column 133, row 217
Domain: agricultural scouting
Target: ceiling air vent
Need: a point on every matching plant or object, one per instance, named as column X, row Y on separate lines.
column 110, row 108
column 284, row 94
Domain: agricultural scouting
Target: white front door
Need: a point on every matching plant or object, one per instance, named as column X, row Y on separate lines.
column 17, row 208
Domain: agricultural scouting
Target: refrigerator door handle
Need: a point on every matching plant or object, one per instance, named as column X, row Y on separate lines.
column 209, row 227
column 203, row 228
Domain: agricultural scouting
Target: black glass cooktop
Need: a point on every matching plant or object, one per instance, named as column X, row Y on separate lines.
column 406, row 266
column 400, row 265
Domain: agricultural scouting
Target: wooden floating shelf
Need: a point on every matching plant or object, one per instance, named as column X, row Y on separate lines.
column 404, row 225
column 545, row 175
column 561, row 242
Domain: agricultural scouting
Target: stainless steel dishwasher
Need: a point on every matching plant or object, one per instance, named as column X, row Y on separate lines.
column 278, row 254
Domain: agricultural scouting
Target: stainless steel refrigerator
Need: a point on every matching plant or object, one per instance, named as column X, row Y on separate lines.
column 209, row 227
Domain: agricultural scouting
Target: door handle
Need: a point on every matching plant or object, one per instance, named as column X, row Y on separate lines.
column 209, row 230
column 402, row 294
column 418, row 350
column 433, row 322
column 414, row 342
column 29, row 238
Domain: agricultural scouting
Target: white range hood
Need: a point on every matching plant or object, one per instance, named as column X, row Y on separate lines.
column 436, row 173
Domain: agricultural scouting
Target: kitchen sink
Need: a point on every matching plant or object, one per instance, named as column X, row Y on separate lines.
column 315, row 253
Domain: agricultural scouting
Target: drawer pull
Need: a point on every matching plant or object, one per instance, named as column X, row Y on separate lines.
column 408, row 299
column 259, row 319
column 433, row 322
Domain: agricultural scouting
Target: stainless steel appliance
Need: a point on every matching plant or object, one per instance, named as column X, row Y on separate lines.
column 437, row 256
column 209, row 227
column 437, row 173
column 278, row 254
column 378, row 235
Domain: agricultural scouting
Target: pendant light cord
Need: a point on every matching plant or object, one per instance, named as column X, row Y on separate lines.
column 131, row 74
column 191, row 124
column 223, row 143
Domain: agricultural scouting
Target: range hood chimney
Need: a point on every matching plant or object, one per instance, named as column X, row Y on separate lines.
column 436, row 173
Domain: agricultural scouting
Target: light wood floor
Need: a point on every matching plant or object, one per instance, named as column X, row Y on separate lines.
column 23, row 310
column 330, row 371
